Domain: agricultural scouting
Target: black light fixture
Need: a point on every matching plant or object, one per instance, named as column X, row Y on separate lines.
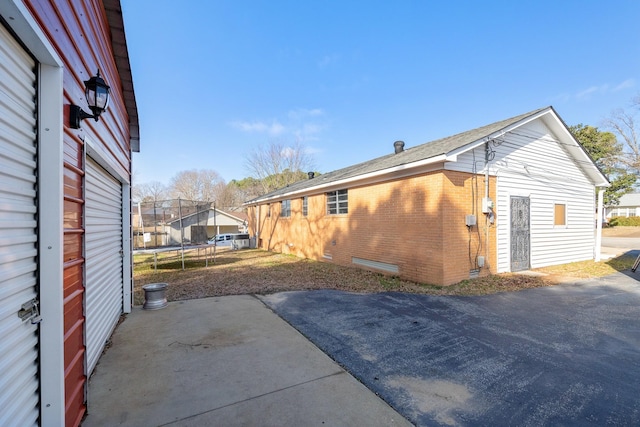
column 97, row 94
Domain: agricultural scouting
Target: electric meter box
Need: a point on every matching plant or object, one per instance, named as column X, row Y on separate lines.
column 487, row 205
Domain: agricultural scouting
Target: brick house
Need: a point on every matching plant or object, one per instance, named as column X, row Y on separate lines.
column 509, row 196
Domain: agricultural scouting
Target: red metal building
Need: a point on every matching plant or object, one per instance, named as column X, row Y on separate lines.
column 65, row 234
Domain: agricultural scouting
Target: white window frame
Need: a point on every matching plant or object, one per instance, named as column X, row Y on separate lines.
column 338, row 202
column 285, row 208
column 566, row 211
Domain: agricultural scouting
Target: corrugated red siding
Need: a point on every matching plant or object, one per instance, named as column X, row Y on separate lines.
column 79, row 31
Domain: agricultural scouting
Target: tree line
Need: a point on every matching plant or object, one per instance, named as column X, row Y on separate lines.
column 270, row 166
column 615, row 150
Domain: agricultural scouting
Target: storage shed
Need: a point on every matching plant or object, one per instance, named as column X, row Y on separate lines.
column 65, row 241
column 512, row 195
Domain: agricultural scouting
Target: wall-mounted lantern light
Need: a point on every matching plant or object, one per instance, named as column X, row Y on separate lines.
column 97, row 94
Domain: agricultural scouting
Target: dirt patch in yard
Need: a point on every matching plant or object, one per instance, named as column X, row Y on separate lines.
column 255, row 271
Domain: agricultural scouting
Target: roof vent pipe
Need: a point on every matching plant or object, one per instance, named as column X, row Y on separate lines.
column 311, row 174
column 398, row 146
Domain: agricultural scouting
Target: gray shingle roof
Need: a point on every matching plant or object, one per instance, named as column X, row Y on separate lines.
column 410, row 155
column 630, row 200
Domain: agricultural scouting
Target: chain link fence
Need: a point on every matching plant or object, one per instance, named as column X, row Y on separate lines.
column 170, row 223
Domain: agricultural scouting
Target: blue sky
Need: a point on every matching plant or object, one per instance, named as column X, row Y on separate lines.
column 214, row 79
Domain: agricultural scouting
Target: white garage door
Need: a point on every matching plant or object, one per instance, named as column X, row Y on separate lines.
column 103, row 246
column 19, row 383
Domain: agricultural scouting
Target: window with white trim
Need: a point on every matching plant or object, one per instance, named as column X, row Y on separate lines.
column 560, row 214
column 285, row 208
column 337, row 202
column 305, row 206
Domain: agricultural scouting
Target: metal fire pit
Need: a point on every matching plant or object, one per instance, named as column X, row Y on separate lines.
column 154, row 296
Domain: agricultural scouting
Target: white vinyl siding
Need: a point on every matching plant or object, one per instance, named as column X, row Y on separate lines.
column 529, row 162
column 103, row 241
column 19, row 382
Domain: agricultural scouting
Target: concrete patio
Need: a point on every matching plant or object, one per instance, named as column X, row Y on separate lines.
column 227, row 361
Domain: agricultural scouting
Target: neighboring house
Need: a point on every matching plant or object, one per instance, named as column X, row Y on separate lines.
column 228, row 222
column 162, row 224
column 65, row 248
column 216, row 221
column 509, row 196
column 629, row 205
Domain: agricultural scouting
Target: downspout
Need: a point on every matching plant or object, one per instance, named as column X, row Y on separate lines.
column 599, row 217
column 257, row 218
column 487, row 221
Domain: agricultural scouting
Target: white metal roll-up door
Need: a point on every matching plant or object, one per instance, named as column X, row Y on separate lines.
column 103, row 252
column 19, row 382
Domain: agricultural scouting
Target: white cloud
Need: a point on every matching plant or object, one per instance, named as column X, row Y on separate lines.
column 604, row 89
column 314, row 150
column 586, row 94
column 274, row 128
column 311, row 128
column 627, row 84
column 302, row 124
column 301, row 113
column 563, row 97
column 287, row 152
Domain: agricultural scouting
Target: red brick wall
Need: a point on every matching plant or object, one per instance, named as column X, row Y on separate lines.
column 416, row 223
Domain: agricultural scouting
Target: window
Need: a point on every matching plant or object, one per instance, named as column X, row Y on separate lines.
column 285, row 208
column 559, row 214
column 337, row 202
column 305, row 206
column 268, row 211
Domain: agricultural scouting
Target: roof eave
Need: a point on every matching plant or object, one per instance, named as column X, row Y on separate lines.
column 113, row 11
column 497, row 134
column 372, row 176
column 559, row 127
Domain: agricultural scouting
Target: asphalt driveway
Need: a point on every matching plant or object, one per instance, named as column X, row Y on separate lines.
column 621, row 242
column 562, row 355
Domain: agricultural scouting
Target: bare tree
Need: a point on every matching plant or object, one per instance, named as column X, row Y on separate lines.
column 607, row 152
column 240, row 191
column 277, row 165
column 623, row 123
column 203, row 185
column 149, row 191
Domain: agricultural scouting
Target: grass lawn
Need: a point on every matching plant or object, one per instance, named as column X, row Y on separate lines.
column 254, row 271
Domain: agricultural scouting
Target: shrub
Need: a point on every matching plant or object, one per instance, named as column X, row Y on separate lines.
column 620, row 221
